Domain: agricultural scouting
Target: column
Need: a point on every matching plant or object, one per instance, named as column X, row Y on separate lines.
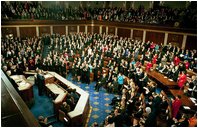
column 100, row 31
column 184, row 41
column 18, row 31
column 131, row 33
column 165, row 38
column 66, row 30
column 86, row 29
column 37, row 31
column 107, row 29
column 78, row 29
column 151, row 4
column 132, row 4
column 116, row 31
column 144, row 36
column 51, row 30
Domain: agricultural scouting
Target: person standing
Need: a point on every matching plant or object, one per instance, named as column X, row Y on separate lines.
column 182, row 80
column 176, row 104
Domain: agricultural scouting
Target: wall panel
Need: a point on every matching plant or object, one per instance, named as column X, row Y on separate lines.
column 72, row 29
column 44, row 30
column 27, row 31
column 8, row 30
column 103, row 29
column 90, row 29
column 175, row 39
column 138, row 34
column 59, row 29
column 82, row 29
column 155, row 37
column 191, row 42
column 124, row 32
column 96, row 29
column 112, row 30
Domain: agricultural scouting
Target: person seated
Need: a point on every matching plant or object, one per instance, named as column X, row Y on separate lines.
column 109, row 121
column 164, row 70
column 159, row 67
column 75, row 95
column 70, row 102
column 102, row 82
column 43, row 121
column 192, row 89
column 183, row 122
column 65, row 107
column 193, row 121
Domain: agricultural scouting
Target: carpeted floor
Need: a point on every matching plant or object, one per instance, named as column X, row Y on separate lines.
column 98, row 100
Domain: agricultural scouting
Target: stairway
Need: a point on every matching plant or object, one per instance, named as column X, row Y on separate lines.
column 46, row 50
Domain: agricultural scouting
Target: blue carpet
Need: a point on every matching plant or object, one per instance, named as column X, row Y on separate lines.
column 98, row 100
column 43, row 104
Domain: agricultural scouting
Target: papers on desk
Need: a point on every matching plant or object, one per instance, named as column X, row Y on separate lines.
column 48, row 76
column 190, row 89
column 193, row 100
column 55, row 88
column 186, row 107
column 23, row 85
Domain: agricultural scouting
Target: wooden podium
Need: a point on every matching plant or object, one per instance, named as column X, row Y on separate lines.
column 25, row 89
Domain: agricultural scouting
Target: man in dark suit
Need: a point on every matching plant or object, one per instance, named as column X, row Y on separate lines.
column 41, row 83
column 101, row 82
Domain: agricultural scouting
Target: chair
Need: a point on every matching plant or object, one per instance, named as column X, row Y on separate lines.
column 63, row 118
column 61, row 115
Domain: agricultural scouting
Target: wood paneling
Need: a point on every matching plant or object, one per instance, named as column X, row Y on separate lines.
column 111, row 30
column 44, row 30
column 155, row 37
column 89, row 29
column 82, row 29
column 191, row 42
column 59, row 29
column 27, row 31
column 9, row 30
column 103, row 23
column 103, row 29
column 96, row 29
column 72, row 29
column 138, row 34
column 124, row 32
column 175, row 39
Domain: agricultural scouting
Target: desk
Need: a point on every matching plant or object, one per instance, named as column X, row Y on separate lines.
column 57, row 90
column 80, row 113
column 25, row 88
column 186, row 101
column 191, row 73
column 48, row 78
column 162, row 79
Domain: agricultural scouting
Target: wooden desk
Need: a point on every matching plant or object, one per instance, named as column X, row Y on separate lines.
column 162, row 79
column 48, row 78
column 14, row 112
column 25, row 88
column 191, row 73
column 81, row 111
column 186, row 101
column 60, row 94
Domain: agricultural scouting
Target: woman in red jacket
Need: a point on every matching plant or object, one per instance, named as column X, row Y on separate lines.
column 176, row 60
column 182, row 79
column 176, row 104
